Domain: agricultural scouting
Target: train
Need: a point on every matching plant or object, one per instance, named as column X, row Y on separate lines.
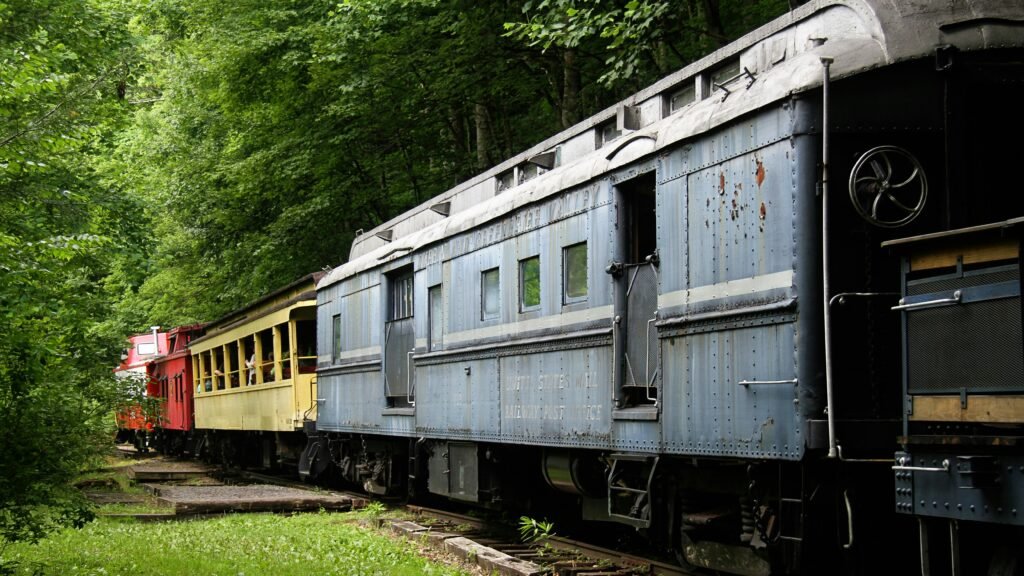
column 764, row 314
column 137, row 418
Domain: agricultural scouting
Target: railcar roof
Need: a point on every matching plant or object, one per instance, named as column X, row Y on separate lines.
column 784, row 57
column 257, row 308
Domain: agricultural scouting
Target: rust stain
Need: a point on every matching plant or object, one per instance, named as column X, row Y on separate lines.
column 721, row 183
column 764, row 211
column 760, row 173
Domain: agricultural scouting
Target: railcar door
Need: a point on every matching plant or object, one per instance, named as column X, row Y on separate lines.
column 635, row 269
column 399, row 338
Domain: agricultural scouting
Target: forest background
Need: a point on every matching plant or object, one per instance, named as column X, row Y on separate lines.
column 165, row 161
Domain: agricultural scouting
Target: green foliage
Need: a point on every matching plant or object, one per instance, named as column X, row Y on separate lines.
column 279, row 128
column 165, row 161
column 641, row 39
column 532, row 530
column 253, row 544
column 62, row 69
column 375, row 508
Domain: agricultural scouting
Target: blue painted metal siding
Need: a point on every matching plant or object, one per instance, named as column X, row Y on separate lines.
column 727, row 303
column 458, row 400
column 557, row 398
column 708, row 412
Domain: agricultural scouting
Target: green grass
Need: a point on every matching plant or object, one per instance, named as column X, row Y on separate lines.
column 235, row 545
column 132, row 508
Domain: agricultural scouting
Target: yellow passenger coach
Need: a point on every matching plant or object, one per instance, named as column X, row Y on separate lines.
column 254, row 376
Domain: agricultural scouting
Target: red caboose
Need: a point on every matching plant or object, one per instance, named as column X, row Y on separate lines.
column 170, row 380
column 137, row 419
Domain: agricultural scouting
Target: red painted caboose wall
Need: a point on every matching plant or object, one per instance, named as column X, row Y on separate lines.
column 140, row 354
column 170, row 379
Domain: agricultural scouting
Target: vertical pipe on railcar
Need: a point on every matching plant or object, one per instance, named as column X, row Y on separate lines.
column 827, row 315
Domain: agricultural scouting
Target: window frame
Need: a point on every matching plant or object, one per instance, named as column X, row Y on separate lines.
column 400, row 295
column 523, row 306
column 435, row 322
column 335, row 338
column 567, row 298
column 484, row 315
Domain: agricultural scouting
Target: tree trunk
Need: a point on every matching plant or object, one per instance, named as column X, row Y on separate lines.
column 571, row 112
column 484, row 136
column 713, row 18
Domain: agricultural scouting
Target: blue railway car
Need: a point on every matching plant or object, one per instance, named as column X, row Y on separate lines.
column 715, row 312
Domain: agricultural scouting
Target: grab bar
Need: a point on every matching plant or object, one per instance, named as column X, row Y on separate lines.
column 929, row 303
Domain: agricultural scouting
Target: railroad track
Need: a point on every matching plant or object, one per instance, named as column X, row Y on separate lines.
column 497, row 547
column 552, row 554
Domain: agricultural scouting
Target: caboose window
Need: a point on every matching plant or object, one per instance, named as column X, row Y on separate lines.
column 489, row 282
column 529, row 284
column 574, row 269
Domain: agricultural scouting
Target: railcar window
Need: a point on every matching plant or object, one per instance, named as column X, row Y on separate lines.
column 249, row 353
column 218, row 368
column 336, row 338
column 606, row 133
column 574, row 269
column 231, row 363
column 682, row 97
column 305, row 345
column 285, row 364
column 528, row 171
column 506, row 180
column 206, row 370
column 400, row 296
column 724, row 74
column 266, row 351
column 529, row 284
column 489, row 283
column 434, row 316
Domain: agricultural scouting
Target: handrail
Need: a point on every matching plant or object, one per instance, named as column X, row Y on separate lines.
column 955, row 299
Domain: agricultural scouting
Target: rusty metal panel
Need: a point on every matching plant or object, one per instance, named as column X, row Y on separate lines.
column 740, row 216
column 458, row 398
column 557, row 398
column 726, row 217
column 730, row 389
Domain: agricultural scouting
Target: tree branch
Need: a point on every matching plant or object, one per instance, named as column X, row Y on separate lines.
column 38, row 122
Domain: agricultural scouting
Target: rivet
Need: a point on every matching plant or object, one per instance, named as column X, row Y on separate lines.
column 972, row 507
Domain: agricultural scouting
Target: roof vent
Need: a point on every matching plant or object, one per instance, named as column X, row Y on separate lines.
column 385, row 235
column 442, row 208
column 545, row 160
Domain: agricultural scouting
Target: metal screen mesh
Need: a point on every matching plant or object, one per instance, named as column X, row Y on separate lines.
column 975, row 346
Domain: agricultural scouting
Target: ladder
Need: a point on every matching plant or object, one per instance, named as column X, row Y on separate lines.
column 629, row 488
